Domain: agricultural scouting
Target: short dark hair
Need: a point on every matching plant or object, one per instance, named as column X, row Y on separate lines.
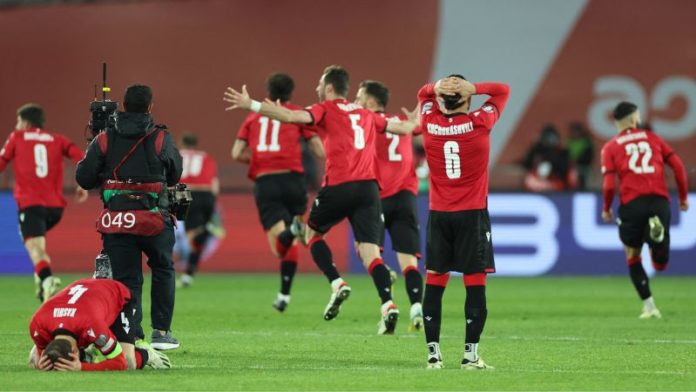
column 280, row 87
column 33, row 114
column 376, row 90
column 189, row 139
column 451, row 102
column 338, row 77
column 137, row 99
column 58, row 348
column 624, row 109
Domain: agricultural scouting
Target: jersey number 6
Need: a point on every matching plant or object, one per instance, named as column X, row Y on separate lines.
column 452, row 162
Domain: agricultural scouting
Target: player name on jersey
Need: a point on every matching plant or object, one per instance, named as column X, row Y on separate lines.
column 631, row 137
column 64, row 312
column 457, row 129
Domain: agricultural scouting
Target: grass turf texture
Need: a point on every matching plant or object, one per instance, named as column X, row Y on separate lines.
column 542, row 334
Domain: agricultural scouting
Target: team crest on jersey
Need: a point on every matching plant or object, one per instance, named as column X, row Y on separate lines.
column 427, row 108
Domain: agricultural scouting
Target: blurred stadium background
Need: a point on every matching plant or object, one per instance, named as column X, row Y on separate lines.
column 566, row 61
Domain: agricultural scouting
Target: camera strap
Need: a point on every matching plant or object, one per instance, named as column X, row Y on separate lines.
column 132, row 150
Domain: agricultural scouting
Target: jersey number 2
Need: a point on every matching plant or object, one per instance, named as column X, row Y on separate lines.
column 394, row 156
column 635, row 150
column 41, row 160
column 453, row 166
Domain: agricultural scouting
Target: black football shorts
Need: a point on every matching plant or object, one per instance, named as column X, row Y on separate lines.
column 401, row 221
column 356, row 200
column 35, row 221
column 634, row 230
column 279, row 197
column 201, row 209
column 459, row 241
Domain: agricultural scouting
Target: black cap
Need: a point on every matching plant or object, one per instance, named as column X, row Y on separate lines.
column 624, row 109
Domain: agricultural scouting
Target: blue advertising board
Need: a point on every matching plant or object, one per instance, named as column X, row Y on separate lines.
column 562, row 234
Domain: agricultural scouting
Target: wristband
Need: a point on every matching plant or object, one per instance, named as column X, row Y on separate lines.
column 255, row 106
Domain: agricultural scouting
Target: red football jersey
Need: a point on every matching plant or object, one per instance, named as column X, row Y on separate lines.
column 38, row 165
column 275, row 146
column 638, row 157
column 86, row 309
column 395, row 168
column 457, row 148
column 348, row 132
column 199, row 168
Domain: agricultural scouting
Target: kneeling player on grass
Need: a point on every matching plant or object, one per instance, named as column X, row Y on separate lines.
column 89, row 312
column 639, row 157
column 275, row 166
column 350, row 187
column 398, row 192
column 459, row 229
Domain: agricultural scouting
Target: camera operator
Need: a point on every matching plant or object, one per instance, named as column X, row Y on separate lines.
column 133, row 162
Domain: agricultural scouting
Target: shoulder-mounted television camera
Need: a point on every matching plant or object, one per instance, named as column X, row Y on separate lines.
column 102, row 110
column 180, row 200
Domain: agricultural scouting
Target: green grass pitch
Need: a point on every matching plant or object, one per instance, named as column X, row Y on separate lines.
column 542, row 334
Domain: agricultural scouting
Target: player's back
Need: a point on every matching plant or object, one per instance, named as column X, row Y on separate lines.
column 349, row 140
column 37, row 156
column 395, row 168
column 638, row 157
column 198, row 167
column 457, row 148
column 85, row 309
column 82, row 302
column 275, row 146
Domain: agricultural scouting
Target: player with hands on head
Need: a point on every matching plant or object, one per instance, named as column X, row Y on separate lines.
column 457, row 144
column 639, row 157
column 350, row 188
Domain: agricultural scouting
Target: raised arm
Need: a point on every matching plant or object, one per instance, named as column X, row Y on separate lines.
column 499, row 92
column 242, row 100
column 405, row 127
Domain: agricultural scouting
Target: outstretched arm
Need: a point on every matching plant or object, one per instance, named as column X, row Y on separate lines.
column 405, row 127
column 242, row 100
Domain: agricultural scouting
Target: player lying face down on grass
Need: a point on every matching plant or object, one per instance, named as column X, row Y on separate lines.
column 87, row 327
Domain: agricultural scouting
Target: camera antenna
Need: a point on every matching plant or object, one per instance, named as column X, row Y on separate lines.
column 105, row 88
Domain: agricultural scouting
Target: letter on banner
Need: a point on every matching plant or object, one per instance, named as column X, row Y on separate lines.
column 540, row 234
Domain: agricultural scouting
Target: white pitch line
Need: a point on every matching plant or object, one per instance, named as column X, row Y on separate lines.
column 511, row 337
column 455, row 367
